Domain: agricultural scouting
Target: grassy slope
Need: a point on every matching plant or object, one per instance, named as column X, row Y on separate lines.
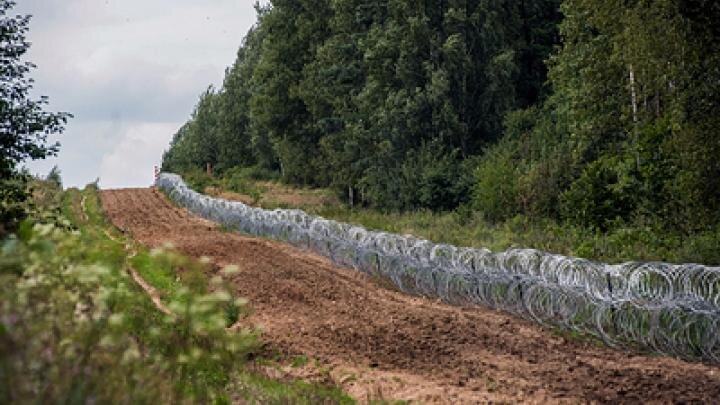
column 464, row 227
column 74, row 327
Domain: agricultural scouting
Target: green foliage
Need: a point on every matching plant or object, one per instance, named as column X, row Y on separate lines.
column 526, row 171
column 626, row 137
column 638, row 92
column 428, row 177
column 382, row 101
column 622, row 243
column 496, row 190
column 13, row 202
column 25, row 124
column 199, row 179
column 240, row 180
column 597, row 115
column 255, row 173
column 75, row 327
column 54, row 176
column 600, row 196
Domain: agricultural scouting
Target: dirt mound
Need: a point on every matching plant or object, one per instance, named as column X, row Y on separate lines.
column 380, row 343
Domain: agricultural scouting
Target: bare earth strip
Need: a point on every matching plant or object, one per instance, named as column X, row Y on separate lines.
column 380, row 343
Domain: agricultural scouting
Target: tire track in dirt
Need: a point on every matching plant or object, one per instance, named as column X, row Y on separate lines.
column 381, row 343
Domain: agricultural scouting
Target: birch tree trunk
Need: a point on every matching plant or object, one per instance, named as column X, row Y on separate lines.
column 633, row 94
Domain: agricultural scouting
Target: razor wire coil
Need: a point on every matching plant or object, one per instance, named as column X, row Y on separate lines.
column 671, row 309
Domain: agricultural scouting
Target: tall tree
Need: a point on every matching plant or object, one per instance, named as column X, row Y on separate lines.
column 384, row 100
column 24, row 123
column 641, row 85
column 293, row 31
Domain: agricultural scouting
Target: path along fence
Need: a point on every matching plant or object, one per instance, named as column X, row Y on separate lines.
column 664, row 308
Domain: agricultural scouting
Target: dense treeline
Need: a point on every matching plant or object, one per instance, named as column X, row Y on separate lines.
column 631, row 131
column 382, row 100
column 598, row 113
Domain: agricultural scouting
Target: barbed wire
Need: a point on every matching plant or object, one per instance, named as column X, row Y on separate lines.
column 671, row 309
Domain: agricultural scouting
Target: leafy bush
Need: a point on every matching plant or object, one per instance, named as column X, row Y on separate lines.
column 54, row 176
column 74, row 327
column 426, row 178
column 600, row 196
column 496, row 189
column 13, row 202
column 199, row 179
column 526, row 171
column 242, row 180
column 256, row 173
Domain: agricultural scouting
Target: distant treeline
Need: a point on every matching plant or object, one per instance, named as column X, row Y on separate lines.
column 594, row 112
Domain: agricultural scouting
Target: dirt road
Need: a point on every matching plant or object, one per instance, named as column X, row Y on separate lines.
column 379, row 343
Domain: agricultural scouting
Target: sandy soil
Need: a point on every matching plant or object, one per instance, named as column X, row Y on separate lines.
column 377, row 343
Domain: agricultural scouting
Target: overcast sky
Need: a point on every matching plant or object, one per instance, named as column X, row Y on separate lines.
column 130, row 71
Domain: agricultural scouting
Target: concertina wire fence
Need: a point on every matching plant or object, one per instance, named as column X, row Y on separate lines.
column 664, row 308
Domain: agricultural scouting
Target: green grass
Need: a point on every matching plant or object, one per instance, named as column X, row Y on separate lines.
column 300, row 361
column 260, row 390
column 466, row 227
column 470, row 229
column 74, row 327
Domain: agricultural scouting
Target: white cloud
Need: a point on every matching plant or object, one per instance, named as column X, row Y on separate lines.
column 131, row 161
column 127, row 68
column 81, row 152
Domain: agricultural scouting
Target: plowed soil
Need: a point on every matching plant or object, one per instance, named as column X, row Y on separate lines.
column 378, row 343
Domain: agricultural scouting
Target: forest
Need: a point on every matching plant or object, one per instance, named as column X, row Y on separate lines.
column 599, row 115
column 463, row 178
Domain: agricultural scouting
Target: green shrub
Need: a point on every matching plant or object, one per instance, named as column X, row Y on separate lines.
column 600, row 196
column 258, row 173
column 428, row 177
column 240, row 180
column 75, row 328
column 199, row 179
column 54, row 176
column 13, row 203
column 525, row 171
column 496, row 189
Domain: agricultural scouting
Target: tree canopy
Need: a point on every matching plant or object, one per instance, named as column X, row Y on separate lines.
column 384, row 99
column 24, row 123
column 595, row 113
